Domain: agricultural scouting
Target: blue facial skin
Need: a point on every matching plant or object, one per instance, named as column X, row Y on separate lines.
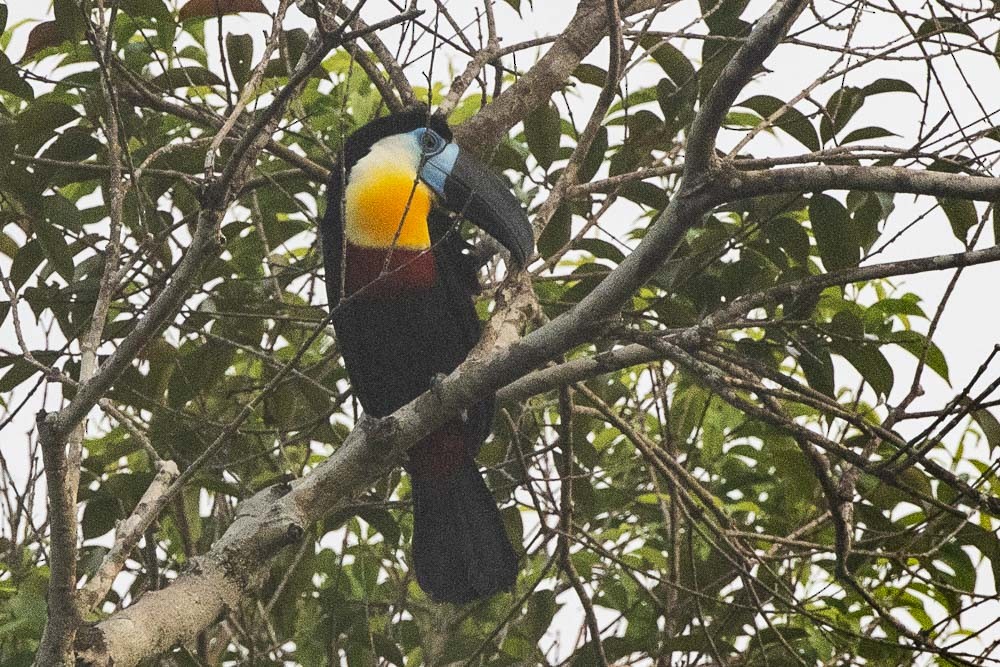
column 437, row 158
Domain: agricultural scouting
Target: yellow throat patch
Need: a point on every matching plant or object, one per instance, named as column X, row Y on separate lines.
column 382, row 203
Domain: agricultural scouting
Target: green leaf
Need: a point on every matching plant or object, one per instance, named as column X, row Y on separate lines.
column 3, row 17
column 985, row 541
column 791, row 236
column 75, row 144
column 741, row 120
column 69, row 19
column 715, row 55
column 723, row 16
column 867, row 134
column 961, row 214
column 817, row 366
column 601, row 249
column 182, row 77
column 869, row 210
column 831, row 227
column 64, row 214
column 388, row 650
column 846, row 323
column 937, row 26
column 672, row 61
column 888, row 86
column 542, row 129
column 646, row 194
column 988, row 424
column 542, row 607
column 382, row 521
column 35, row 125
column 557, row 233
column 869, row 362
column 840, row 108
column 675, row 104
column 909, row 304
column 919, row 346
column 26, row 612
column 792, row 121
column 19, row 371
column 8, row 246
column 678, row 92
column 689, row 406
column 239, row 51
column 514, row 526
column 192, row 512
column 591, row 74
column 516, row 4
column 99, row 515
column 26, row 262
column 295, row 42
column 200, row 366
column 645, row 132
column 55, row 247
column 595, row 156
column 147, row 8
column 10, row 78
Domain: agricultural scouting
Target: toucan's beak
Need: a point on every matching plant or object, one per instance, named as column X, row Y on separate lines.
column 472, row 190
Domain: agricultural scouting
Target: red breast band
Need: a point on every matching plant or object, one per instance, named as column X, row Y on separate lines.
column 368, row 272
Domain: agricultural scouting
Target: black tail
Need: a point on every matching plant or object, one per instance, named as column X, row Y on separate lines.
column 461, row 551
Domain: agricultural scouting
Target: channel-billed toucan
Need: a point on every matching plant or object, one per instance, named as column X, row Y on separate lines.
column 402, row 290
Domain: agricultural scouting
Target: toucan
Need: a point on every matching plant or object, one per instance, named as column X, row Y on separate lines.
column 401, row 286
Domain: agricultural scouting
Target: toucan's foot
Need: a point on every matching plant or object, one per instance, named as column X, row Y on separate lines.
column 437, row 384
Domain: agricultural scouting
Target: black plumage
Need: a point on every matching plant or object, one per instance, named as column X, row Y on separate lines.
column 394, row 345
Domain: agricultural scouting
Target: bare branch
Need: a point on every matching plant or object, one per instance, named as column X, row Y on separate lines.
column 127, row 536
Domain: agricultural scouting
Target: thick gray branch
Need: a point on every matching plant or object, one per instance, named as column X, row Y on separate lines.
column 819, row 178
column 63, row 618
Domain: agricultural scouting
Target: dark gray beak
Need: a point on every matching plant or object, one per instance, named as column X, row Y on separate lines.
column 473, row 191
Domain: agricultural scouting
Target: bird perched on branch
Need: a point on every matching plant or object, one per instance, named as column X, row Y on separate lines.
column 401, row 290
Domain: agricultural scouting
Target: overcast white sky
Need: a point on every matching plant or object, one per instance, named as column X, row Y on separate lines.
column 968, row 331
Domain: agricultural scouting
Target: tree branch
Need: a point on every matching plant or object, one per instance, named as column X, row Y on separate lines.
column 819, row 178
column 55, row 437
column 763, row 39
column 566, row 522
column 55, row 647
column 127, row 536
column 586, row 29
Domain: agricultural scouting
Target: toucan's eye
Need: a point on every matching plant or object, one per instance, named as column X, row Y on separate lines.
column 430, row 142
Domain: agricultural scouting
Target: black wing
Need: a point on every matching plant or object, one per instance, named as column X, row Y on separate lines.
column 331, row 234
